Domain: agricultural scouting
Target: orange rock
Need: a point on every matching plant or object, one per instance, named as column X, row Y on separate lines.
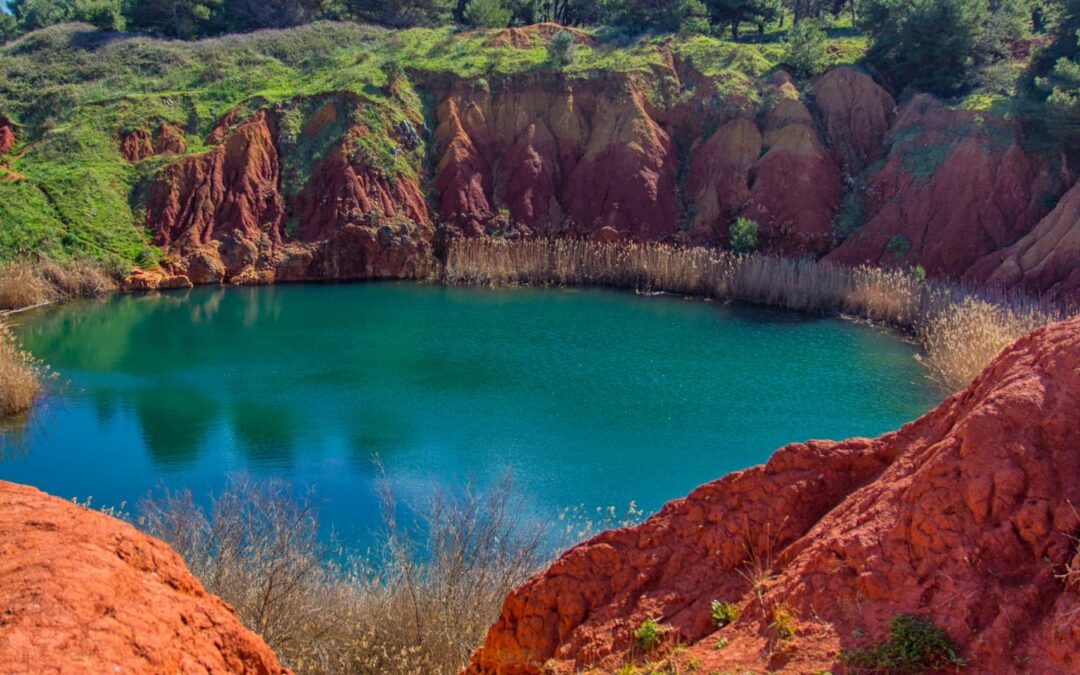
column 965, row 517
column 154, row 280
column 169, row 139
column 83, row 592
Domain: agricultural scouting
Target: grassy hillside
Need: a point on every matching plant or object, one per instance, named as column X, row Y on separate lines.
column 72, row 91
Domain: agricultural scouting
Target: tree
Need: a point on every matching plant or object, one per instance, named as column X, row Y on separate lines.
column 734, row 13
column 664, row 16
column 173, row 18
column 34, row 14
column 403, row 13
column 560, row 48
column 806, row 48
column 9, row 28
column 928, row 44
column 487, row 13
column 245, row 15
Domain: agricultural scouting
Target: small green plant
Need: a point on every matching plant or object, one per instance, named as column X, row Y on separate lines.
column 560, row 48
column 647, row 635
column 783, row 623
column 918, row 273
column 721, row 642
column 899, row 246
column 915, row 645
column 743, row 236
column 724, row 613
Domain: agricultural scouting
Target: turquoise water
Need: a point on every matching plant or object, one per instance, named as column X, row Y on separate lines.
column 589, row 397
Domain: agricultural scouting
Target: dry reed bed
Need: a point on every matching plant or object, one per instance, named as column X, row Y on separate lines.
column 959, row 328
column 26, row 284
column 20, row 381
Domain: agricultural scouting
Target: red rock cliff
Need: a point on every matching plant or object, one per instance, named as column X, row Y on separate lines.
column 83, row 592
column 965, row 517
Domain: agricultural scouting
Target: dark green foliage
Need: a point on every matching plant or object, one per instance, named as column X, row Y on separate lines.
column 915, row 645
column 743, row 236
column 664, row 16
column 928, row 44
column 560, row 48
column 486, row 13
column 734, row 13
column 403, row 13
column 34, row 14
column 806, row 49
column 173, row 18
column 899, row 246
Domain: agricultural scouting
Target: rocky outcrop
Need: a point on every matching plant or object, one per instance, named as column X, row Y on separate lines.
column 83, row 592
column 559, row 157
column 7, row 135
column 137, row 145
column 856, row 115
column 966, row 517
column 1045, row 261
column 956, row 186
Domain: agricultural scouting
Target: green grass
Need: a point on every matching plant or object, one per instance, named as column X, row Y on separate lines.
column 74, row 90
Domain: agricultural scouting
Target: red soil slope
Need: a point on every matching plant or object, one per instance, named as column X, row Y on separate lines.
column 83, row 592
column 7, row 135
column 965, row 517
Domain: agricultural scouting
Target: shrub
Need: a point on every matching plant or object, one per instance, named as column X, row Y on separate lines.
column 486, row 13
column 806, row 49
column 647, row 635
column 724, row 613
column 782, row 622
column 560, row 48
column 915, row 645
column 743, row 236
column 898, row 245
column 421, row 603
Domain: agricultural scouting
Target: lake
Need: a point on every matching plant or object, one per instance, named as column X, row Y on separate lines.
column 589, row 397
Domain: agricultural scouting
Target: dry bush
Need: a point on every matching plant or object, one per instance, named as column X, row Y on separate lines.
column 20, row 377
column 421, row 604
column 959, row 328
column 26, row 284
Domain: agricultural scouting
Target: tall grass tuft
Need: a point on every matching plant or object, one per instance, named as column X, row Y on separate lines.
column 26, row 284
column 960, row 328
column 420, row 604
column 20, row 377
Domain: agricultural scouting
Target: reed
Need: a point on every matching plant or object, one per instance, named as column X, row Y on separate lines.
column 960, row 328
column 29, row 283
column 20, row 377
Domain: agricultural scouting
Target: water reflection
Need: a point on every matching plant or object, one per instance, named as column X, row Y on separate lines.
column 580, row 393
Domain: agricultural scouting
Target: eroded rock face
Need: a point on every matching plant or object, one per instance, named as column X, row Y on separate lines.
column 965, row 517
column 559, row 157
column 1046, row 260
column 7, row 135
column 83, row 592
column 955, row 187
column 856, row 114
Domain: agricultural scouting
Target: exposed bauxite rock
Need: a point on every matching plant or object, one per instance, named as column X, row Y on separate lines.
column 83, row 592
column 135, row 146
column 956, row 186
column 169, row 140
column 7, row 135
column 796, row 185
column 965, row 517
column 856, row 114
column 557, row 155
column 221, row 211
column 719, row 179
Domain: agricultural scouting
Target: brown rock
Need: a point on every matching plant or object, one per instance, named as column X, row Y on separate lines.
column 83, row 592
column 169, row 140
column 965, row 517
column 154, row 280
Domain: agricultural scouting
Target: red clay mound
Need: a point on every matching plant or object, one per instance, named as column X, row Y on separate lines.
column 7, row 135
column 535, row 35
column 964, row 517
column 82, row 592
